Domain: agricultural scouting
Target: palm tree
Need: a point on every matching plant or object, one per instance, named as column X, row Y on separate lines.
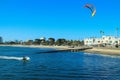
column 102, row 32
column 117, row 31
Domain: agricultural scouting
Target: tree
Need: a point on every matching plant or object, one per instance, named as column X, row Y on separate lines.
column 82, row 43
column 60, row 42
column 29, row 42
column 51, row 41
column 43, row 41
column 11, row 42
column 116, row 45
column 76, row 43
column 117, row 31
column 37, row 41
column 102, row 32
column 68, row 43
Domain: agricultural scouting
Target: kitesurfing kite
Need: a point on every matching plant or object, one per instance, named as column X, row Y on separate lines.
column 92, row 8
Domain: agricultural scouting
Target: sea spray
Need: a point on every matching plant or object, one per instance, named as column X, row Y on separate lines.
column 13, row 58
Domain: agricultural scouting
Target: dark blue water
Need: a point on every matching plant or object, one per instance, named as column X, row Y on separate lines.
column 57, row 66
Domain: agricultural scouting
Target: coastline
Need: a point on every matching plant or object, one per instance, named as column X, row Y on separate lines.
column 106, row 51
column 39, row 46
column 96, row 50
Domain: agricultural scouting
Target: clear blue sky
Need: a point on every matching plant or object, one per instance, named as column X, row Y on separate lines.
column 30, row 19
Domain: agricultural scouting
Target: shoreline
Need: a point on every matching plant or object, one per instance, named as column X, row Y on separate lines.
column 39, row 46
column 105, row 51
column 94, row 50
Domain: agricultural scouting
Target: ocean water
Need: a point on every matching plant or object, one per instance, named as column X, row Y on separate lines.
column 56, row 66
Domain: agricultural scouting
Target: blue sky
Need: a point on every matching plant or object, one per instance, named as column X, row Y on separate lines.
column 30, row 19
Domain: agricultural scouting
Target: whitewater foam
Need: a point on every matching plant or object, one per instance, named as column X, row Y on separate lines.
column 13, row 58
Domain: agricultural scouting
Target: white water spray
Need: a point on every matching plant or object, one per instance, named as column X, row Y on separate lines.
column 14, row 58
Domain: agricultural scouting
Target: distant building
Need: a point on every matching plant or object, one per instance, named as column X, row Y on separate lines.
column 1, row 40
column 105, row 40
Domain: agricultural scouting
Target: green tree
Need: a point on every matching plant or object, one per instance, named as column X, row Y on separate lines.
column 68, row 43
column 51, row 41
column 76, row 43
column 60, row 42
column 43, row 41
column 102, row 33
column 29, row 42
column 82, row 43
column 37, row 41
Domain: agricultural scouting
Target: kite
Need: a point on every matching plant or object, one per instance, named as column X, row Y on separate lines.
column 92, row 8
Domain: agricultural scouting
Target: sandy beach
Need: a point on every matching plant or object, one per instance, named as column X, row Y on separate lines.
column 109, row 51
column 39, row 46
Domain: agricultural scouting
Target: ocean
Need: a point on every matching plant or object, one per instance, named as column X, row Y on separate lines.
column 56, row 66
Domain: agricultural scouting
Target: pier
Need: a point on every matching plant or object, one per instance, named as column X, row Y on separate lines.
column 77, row 49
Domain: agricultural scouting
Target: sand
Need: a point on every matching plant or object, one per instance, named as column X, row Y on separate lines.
column 109, row 51
column 38, row 46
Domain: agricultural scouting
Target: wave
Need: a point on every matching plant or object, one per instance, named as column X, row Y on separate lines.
column 13, row 58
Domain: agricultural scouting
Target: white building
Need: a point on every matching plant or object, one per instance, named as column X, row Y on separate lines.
column 105, row 40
